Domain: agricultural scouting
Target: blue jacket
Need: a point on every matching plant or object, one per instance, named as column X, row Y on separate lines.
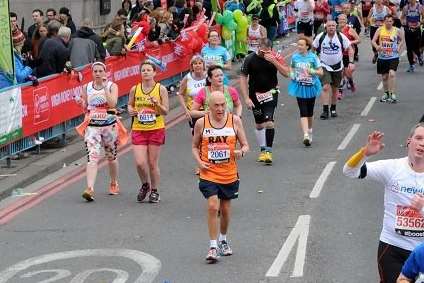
column 21, row 72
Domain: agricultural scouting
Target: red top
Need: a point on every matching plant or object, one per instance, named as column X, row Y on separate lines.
column 321, row 9
column 346, row 32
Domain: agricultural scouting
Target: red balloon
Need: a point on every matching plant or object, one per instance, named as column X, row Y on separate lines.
column 202, row 32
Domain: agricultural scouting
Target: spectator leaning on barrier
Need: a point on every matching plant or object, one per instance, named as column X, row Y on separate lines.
column 54, row 54
column 83, row 51
column 87, row 32
column 66, row 19
column 37, row 16
column 51, row 14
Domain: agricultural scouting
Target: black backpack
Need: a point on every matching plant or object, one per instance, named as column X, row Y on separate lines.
column 321, row 39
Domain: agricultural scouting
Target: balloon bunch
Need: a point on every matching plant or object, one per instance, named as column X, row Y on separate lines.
column 241, row 32
column 226, row 20
column 191, row 40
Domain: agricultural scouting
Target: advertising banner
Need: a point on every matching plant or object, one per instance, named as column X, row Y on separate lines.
column 6, row 49
column 10, row 116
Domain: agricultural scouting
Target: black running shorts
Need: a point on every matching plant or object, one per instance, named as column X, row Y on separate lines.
column 305, row 28
column 385, row 65
column 223, row 191
column 264, row 112
column 390, row 262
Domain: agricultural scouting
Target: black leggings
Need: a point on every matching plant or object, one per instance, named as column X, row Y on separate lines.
column 413, row 42
column 306, row 106
column 317, row 24
column 390, row 261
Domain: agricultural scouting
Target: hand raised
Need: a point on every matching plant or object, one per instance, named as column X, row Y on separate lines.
column 374, row 144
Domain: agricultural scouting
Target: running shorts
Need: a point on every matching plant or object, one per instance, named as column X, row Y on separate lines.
column 223, row 191
column 385, row 65
column 264, row 112
column 390, row 261
column 332, row 78
column 305, row 28
column 153, row 137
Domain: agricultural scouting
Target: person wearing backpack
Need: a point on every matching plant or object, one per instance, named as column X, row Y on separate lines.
column 330, row 46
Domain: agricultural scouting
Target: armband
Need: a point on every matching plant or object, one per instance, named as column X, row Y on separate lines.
column 356, row 158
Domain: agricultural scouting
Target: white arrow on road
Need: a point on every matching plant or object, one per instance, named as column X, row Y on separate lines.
column 299, row 232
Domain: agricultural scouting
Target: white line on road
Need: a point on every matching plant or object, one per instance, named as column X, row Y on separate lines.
column 300, row 231
column 380, row 86
column 349, row 136
column 369, row 106
column 321, row 180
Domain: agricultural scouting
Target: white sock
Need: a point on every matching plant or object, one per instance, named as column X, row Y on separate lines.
column 222, row 237
column 213, row 244
column 260, row 137
column 310, row 131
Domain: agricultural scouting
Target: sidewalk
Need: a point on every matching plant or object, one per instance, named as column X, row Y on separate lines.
column 37, row 166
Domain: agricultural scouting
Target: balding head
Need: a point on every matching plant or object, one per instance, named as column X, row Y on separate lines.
column 217, row 104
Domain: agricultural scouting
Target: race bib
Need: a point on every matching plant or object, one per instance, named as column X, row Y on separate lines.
column 409, row 222
column 98, row 115
column 304, row 16
column 264, row 97
column 147, row 117
column 219, row 153
column 303, row 77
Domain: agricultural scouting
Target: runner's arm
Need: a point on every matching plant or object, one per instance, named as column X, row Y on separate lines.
column 163, row 104
column 195, row 145
column 238, row 107
column 182, row 94
column 263, row 32
column 244, row 87
column 112, row 95
column 83, row 99
column 131, row 101
column 195, row 110
column 375, row 38
column 355, row 35
column 241, row 135
column 401, row 40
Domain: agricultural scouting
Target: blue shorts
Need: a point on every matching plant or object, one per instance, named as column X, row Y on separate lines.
column 223, row 191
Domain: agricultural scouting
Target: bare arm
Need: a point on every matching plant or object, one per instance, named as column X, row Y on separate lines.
column 238, row 108
column 263, row 32
column 319, row 71
column 163, row 104
column 375, row 38
column 354, row 34
column 227, row 65
column 182, row 94
column 195, row 145
column 241, row 137
column 195, row 110
column 244, row 87
column 401, row 40
column 131, row 102
column 112, row 95
column 83, row 100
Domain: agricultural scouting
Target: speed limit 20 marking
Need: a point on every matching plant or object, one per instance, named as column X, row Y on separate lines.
column 149, row 265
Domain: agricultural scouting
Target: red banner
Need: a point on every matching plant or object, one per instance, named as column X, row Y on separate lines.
column 52, row 102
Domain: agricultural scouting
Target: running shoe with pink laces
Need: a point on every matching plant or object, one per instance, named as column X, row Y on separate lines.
column 114, row 189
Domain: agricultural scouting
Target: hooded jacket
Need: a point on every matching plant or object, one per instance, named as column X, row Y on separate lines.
column 88, row 33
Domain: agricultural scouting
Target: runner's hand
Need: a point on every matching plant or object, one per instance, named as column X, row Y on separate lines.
column 351, row 67
column 132, row 112
column 203, row 165
column 238, row 153
column 379, row 48
column 269, row 57
column 249, row 104
column 417, row 201
column 375, row 144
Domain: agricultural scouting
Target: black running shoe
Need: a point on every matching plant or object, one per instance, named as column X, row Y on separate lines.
column 324, row 115
column 154, row 197
column 333, row 114
column 144, row 190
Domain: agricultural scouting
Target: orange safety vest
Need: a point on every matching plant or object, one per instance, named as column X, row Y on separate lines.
column 217, row 148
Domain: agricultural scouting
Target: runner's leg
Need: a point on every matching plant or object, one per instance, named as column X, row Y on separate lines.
column 213, row 208
column 153, row 160
column 225, row 208
column 140, row 156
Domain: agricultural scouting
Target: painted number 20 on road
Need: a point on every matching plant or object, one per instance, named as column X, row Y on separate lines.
column 149, row 265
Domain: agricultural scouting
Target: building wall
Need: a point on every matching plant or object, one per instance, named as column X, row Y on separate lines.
column 80, row 9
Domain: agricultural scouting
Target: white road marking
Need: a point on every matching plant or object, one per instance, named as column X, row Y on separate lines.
column 369, row 106
column 380, row 86
column 321, row 180
column 349, row 136
column 121, row 275
column 300, row 231
column 149, row 265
